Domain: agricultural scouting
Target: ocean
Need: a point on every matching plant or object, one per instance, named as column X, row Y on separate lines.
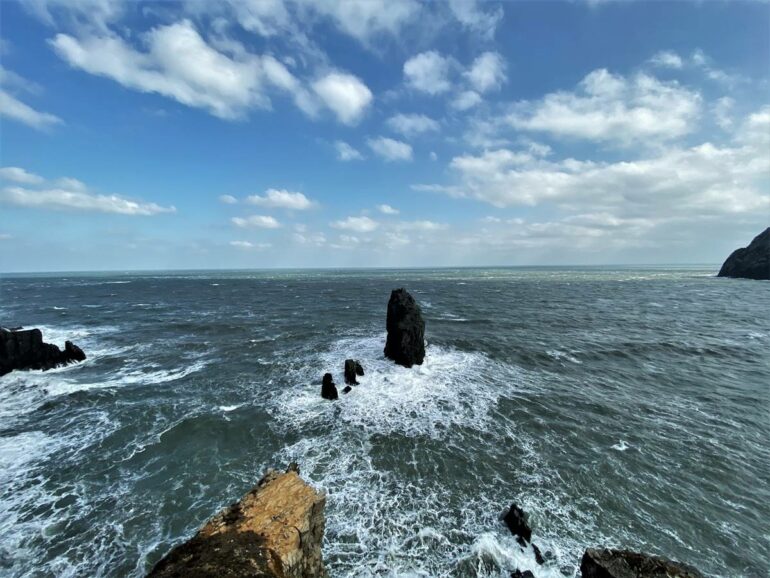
column 619, row 406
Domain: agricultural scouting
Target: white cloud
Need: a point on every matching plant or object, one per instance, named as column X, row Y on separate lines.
column 423, row 225
column 487, row 72
column 470, row 14
column 390, row 149
column 667, row 59
column 345, row 152
column 433, row 156
column 611, row 108
column 95, row 14
column 14, row 109
column 357, row 224
column 261, row 221
column 313, row 239
column 250, row 245
column 19, row 175
column 387, row 210
column 428, row 72
column 227, row 199
column 364, row 20
column 465, row 100
column 345, row 95
column 411, row 125
column 282, row 199
column 721, row 110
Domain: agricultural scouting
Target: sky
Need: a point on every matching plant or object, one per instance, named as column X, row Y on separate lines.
column 380, row 133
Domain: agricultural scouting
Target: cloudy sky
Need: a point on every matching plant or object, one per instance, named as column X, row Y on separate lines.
column 272, row 133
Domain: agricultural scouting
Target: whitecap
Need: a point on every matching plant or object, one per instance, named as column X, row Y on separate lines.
column 557, row 354
column 621, row 446
column 229, row 408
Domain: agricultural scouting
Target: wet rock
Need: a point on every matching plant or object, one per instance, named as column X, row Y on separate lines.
column 752, row 262
column 406, row 330
column 25, row 349
column 328, row 389
column 359, row 369
column 347, row 389
column 625, row 564
column 274, row 531
column 516, row 520
column 519, row 574
column 350, row 372
column 538, row 555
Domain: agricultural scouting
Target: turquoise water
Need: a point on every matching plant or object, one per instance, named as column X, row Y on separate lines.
column 620, row 407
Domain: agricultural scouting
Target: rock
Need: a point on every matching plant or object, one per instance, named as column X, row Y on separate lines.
column 350, row 372
column 538, row 555
column 359, row 369
column 347, row 389
column 752, row 262
column 519, row 574
column 625, row 564
column 328, row 389
column 25, row 349
column 516, row 520
column 274, row 531
column 406, row 330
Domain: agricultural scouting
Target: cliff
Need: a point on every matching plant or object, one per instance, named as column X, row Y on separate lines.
column 274, row 531
column 752, row 262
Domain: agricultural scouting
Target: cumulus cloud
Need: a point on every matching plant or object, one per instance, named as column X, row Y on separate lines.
column 345, row 152
column 227, row 199
column 281, row 199
column 19, row 175
column 667, row 59
column 387, row 210
column 428, row 72
column 356, row 224
column 345, row 95
column 411, row 125
column 390, row 149
column 487, row 72
column 465, row 100
column 611, row 108
column 260, row 221
column 365, row 20
column 472, row 15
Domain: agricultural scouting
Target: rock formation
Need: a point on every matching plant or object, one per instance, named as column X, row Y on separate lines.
column 625, row 564
column 350, row 372
column 328, row 389
column 25, row 349
column 347, row 389
column 516, row 520
column 752, row 262
column 520, row 574
column 406, row 330
column 274, row 531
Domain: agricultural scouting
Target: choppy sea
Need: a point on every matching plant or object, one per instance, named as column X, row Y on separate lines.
column 619, row 406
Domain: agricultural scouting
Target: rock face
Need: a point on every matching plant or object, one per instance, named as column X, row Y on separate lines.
column 516, row 520
column 406, row 330
column 328, row 389
column 350, row 372
column 274, row 531
column 25, row 349
column 752, row 262
column 625, row 564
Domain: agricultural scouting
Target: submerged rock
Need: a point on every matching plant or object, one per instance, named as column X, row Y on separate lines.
column 406, row 330
column 328, row 389
column 752, row 262
column 626, row 564
column 516, row 520
column 350, row 371
column 347, row 389
column 274, row 531
column 25, row 349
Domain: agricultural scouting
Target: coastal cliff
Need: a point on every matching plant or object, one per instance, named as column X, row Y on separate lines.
column 752, row 262
column 274, row 531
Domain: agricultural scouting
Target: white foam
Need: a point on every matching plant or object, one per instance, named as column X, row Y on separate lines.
column 229, row 408
column 557, row 354
column 621, row 446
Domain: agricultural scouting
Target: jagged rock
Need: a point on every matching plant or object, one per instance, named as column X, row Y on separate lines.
column 350, row 371
column 538, row 555
column 752, row 262
column 328, row 389
column 406, row 330
column 519, row 574
column 347, row 389
column 274, row 531
column 516, row 520
column 625, row 564
column 25, row 349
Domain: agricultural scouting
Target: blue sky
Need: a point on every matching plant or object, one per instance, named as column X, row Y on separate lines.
column 270, row 133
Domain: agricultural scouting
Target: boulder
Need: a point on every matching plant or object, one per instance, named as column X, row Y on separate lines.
column 328, row 389
column 350, row 372
column 519, row 574
column 625, row 564
column 752, row 262
column 516, row 520
column 359, row 369
column 25, row 349
column 405, row 343
column 274, row 531
column 347, row 389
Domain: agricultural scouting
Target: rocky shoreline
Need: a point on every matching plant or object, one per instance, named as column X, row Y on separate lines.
column 25, row 349
column 752, row 262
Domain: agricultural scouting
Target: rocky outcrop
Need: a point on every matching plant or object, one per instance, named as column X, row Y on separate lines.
column 625, row 564
column 328, row 389
column 274, row 531
column 752, row 262
column 516, row 520
column 350, row 372
column 25, row 349
column 406, row 330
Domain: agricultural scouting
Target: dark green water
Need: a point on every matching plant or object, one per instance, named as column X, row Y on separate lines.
column 621, row 407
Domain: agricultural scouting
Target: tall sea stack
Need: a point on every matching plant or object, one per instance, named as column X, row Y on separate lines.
column 406, row 330
column 752, row 262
